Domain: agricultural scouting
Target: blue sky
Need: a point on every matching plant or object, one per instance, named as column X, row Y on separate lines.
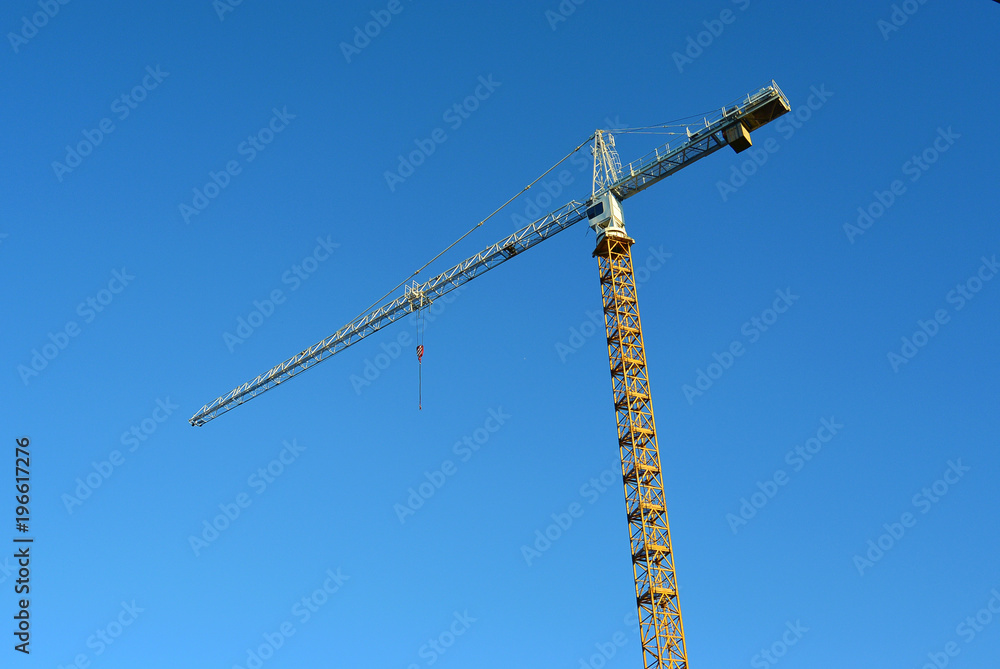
column 171, row 170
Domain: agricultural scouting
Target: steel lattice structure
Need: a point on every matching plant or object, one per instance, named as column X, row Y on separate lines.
column 663, row 642
column 660, row 626
column 412, row 297
column 752, row 112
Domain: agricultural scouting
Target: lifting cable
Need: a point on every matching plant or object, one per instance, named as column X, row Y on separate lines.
column 420, row 356
column 477, row 225
column 420, row 315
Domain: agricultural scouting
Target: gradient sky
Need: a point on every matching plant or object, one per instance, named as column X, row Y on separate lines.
column 173, row 169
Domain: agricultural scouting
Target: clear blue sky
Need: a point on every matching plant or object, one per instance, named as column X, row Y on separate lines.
column 131, row 254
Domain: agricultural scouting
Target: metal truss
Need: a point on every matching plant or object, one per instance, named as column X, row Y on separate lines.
column 754, row 111
column 411, row 298
column 660, row 627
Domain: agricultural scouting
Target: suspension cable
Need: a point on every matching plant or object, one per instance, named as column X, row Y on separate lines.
column 476, row 226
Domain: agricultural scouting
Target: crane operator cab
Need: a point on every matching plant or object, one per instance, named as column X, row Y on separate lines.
column 604, row 215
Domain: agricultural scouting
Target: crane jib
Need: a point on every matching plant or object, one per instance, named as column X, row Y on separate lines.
column 745, row 115
column 367, row 324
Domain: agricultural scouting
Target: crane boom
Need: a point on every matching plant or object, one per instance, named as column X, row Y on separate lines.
column 413, row 298
column 728, row 127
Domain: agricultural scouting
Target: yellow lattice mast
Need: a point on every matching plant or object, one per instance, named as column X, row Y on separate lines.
column 660, row 627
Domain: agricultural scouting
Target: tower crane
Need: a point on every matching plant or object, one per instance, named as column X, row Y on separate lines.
column 660, row 626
